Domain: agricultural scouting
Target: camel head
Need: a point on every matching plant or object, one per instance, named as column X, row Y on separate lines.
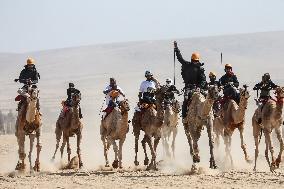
column 124, row 105
column 33, row 93
column 213, row 92
column 244, row 92
column 279, row 91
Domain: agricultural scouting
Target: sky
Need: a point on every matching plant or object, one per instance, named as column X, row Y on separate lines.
column 33, row 25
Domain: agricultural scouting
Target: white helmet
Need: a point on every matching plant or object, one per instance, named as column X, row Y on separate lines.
column 169, row 82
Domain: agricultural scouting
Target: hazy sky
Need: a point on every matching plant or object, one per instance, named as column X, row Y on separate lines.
column 31, row 25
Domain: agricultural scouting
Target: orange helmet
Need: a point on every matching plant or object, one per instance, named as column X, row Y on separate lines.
column 195, row 56
column 30, row 61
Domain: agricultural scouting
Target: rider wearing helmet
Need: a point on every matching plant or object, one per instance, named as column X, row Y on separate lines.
column 193, row 76
column 212, row 79
column 170, row 90
column 230, row 83
column 29, row 77
column 70, row 92
column 265, row 86
column 148, row 88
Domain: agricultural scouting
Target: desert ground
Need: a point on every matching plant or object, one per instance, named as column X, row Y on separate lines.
column 90, row 67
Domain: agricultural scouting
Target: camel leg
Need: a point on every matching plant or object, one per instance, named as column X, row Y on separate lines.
column 68, row 150
column 136, row 162
column 166, row 146
column 146, row 160
column 189, row 140
column 153, row 153
column 280, row 139
column 105, row 150
column 121, row 141
column 227, row 141
column 256, row 151
column 256, row 135
column 243, row 145
column 195, row 137
column 269, row 147
column 58, row 133
column 38, row 147
column 174, row 142
column 115, row 149
column 79, row 139
column 63, row 146
column 211, row 145
column 22, row 155
column 32, row 139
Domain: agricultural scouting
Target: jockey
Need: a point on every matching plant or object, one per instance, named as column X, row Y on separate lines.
column 70, row 92
column 230, row 83
column 29, row 77
column 213, row 81
column 112, row 92
column 265, row 86
column 193, row 76
column 170, row 90
column 147, row 89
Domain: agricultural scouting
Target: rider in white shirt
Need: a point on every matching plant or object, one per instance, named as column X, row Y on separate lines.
column 112, row 87
column 147, row 89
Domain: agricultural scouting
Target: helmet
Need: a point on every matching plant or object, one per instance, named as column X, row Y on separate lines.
column 30, row 61
column 228, row 66
column 211, row 74
column 266, row 77
column 169, row 81
column 195, row 56
column 148, row 73
column 71, row 85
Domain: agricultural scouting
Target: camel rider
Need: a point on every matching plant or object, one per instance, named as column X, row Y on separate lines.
column 212, row 80
column 265, row 86
column 193, row 76
column 70, row 92
column 147, row 89
column 230, row 83
column 112, row 92
column 29, row 77
column 170, row 91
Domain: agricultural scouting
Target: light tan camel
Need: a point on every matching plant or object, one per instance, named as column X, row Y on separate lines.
column 169, row 127
column 232, row 117
column 115, row 127
column 200, row 114
column 29, row 123
column 271, row 118
column 149, row 120
column 67, row 126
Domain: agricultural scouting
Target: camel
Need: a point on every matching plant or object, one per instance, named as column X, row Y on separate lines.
column 67, row 126
column 115, row 127
column 29, row 123
column 200, row 114
column 232, row 117
column 169, row 126
column 149, row 120
column 271, row 116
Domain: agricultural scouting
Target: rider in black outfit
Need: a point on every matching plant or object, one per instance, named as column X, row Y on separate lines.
column 70, row 91
column 193, row 76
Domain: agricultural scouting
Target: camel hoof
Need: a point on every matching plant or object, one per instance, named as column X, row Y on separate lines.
column 146, row 161
column 37, row 167
column 193, row 168
column 52, row 159
column 151, row 167
column 107, row 165
column 249, row 161
column 136, row 163
column 20, row 166
column 115, row 164
column 277, row 162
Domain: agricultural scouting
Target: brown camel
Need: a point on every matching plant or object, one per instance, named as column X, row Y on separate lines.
column 169, row 127
column 149, row 120
column 29, row 123
column 232, row 116
column 67, row 126
column 271, row 118
column 200, row 114
column 115, row 127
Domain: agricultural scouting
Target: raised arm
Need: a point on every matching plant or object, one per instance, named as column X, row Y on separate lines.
column 178, row 54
